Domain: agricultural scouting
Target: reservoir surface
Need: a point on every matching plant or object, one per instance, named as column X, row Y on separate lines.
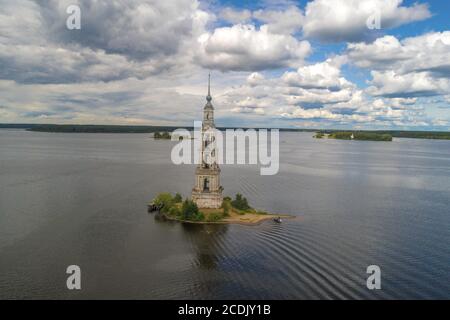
column 80, row 199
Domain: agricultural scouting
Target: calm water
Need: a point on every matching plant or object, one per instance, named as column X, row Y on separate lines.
column 81, row 199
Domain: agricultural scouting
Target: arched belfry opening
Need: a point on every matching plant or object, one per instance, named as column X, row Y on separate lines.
column 206, row 184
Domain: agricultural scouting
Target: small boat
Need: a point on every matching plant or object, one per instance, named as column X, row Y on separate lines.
column 277, row 220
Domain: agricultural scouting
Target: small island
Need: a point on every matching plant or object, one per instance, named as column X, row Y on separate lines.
column 162, row 135
column 236, row 211
column 354, row 135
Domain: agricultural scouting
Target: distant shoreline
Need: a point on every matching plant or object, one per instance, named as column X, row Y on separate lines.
column 63, row 128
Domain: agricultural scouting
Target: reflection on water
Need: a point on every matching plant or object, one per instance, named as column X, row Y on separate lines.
column 205, row 240
column 81, row 199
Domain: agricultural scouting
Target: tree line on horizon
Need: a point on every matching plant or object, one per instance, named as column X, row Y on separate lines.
column 152, row 129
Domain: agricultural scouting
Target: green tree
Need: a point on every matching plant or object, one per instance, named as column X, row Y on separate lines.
column 166, row 200
column 165, row 135
column 226, row 206
column 240, row 202
column 215, row 216
column 319, row 135
column 178, row 198
column 175, row 212
column 189, row 211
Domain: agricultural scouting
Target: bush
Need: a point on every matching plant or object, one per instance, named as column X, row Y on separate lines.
column 189, row 211
column 178, row 198
column 166, row 200
column 344, row 135
column 226, row 206
column 164, row 135
column 319, row 135
column 215, row 216
column 199, row 217
column 174, row 212
column 372, row 136
column 240, row 203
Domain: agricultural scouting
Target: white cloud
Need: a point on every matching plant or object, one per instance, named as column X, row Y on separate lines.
column 255, row 79
column 54, row 64
column 300, row 113
column 284, row 21
column 144, row 61
column 414, row 66
column 236, row 16
column 319, row 92
column 247, row 48
column 324, row 75
column 428, row 52
column 138, row 29
column 116, row 40
column 345, row 20
column 149, row 101
column 389, row 83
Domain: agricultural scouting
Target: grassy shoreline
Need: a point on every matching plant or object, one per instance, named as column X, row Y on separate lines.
column 235, row 220
column 235, row 211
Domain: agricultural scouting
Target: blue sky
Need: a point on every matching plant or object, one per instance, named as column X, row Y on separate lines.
column 304, row 64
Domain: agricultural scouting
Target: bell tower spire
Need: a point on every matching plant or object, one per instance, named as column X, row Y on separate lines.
column 208, row 110
column 208, row 97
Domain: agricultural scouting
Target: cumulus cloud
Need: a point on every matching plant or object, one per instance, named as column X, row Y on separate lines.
column 52, row 64
column 255, row 79
column 308, row 88
column 345, row 20
column 144, row 61
column 285, row 21
column 138, row 29
column 248, row 48
column 390, row 84
column 236, row 16
column 414, row 66
column 333, row 20
column 324, row 75
column 429, row 52
column 136, row 38
column 117, row 40
column 128, row 101
column 319, row 92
